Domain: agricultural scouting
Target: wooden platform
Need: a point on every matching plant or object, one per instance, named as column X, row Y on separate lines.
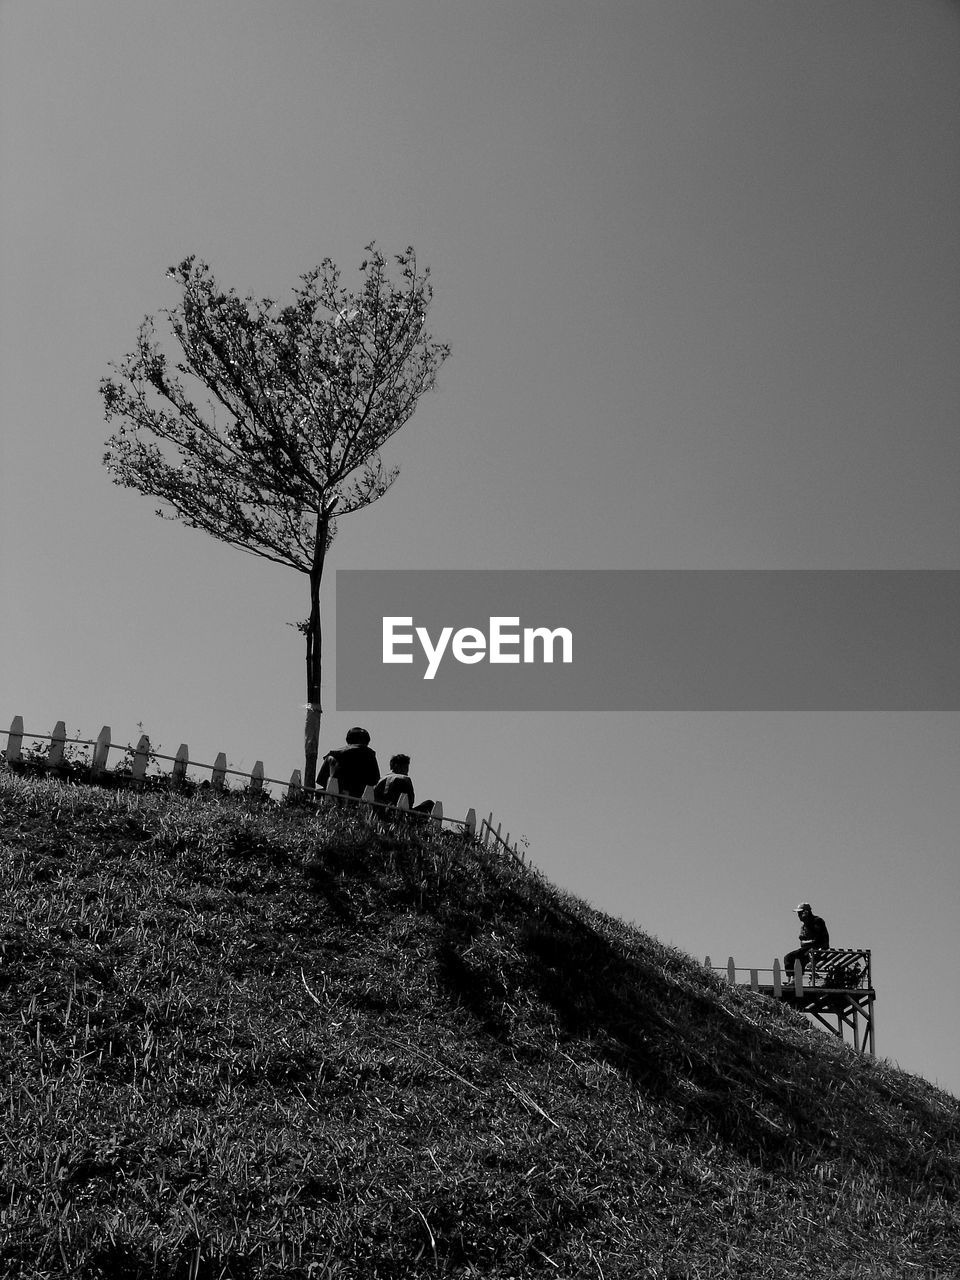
column 818, row 991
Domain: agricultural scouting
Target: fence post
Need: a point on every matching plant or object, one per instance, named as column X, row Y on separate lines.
column 141, row 757
column 777, row 981
column 180, row 763
column 731, row 972
column 797, row 977
column 98, row 761
column 14, row 740
column 437, row 811
column 256, row 779
column 368, row 796
column 295, row 785
column 57, row 740
column 404, row 802
column 219, row 775
column 706, row 962
column 754, row 980
column 470, row 823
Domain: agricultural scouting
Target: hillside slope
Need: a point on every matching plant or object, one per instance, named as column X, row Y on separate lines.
column 242, row 1041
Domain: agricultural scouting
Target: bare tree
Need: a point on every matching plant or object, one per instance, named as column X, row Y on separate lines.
column 295, row 404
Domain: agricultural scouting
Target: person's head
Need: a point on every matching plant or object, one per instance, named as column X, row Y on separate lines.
column 804, row 909
column 358, row 738
column 400, row 764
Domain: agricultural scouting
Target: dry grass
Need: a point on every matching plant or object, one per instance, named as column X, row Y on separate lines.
column 241, row 1041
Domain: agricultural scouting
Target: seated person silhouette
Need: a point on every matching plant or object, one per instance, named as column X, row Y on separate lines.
column 813, row 937
column 397, row 783
column 354, row 766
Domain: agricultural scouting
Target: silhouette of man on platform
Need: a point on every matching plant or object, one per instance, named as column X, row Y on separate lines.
column 813, row 937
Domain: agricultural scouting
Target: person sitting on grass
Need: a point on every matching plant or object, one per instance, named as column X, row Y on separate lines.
column 354, row 766
column 397, row 783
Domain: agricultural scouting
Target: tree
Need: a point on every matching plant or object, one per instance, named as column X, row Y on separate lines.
column 299, row 401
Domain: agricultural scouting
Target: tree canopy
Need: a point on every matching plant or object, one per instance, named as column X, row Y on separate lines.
column 268, row 421
column 301, row 398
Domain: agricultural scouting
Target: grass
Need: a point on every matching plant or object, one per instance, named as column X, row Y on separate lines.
column 239, row 1040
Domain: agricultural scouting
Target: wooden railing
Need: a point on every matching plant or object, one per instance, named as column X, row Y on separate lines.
column 55, row 758
column 493, row 839
column 825, row 970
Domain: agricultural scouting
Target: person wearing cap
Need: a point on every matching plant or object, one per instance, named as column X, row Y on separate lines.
column 354, row 766
column 813, row 937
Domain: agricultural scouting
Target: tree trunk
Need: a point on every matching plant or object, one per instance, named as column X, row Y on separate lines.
column 311, row 728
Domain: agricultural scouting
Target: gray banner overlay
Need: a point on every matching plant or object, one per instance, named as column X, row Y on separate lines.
column 648, row 640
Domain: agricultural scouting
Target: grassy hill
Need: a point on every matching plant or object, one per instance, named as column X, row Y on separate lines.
column 246, row 1041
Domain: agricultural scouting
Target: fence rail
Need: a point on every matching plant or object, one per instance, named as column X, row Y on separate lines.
column 141, row 756
column 826, row 969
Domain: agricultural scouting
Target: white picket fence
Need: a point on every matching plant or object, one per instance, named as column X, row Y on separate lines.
column 751, row 977
column 143, row 755
column 824, row 963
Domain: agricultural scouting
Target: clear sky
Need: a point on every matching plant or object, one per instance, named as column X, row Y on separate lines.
column 698, row 261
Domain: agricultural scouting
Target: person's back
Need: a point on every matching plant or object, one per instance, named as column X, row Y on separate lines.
column 398, row 783
column 391, row 787
column 354, row 766
column 357, row 769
